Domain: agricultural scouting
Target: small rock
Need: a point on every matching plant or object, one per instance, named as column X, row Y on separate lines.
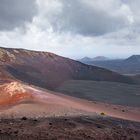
column 24, row 118
column 16, row 132
column 50, row 123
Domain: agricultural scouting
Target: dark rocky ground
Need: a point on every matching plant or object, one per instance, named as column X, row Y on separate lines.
column 110, row 92
column 69, row 128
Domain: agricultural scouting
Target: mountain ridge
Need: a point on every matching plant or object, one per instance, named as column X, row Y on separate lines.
column 133, row 58
column 49, row 70
column 97, row 58
column 129, row 66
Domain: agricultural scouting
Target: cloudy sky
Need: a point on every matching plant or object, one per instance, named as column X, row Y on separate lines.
column 72, row 28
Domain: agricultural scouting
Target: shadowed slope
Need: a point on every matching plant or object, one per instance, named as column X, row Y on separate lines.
column 110, row 92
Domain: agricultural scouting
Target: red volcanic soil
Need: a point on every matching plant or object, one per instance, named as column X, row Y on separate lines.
column 28, row 112
column 30, row 101
column 13, row 92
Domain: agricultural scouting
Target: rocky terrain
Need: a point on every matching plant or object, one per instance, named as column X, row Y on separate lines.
column 69, row 128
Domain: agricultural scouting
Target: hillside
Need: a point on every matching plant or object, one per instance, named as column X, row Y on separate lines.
column 49, row 70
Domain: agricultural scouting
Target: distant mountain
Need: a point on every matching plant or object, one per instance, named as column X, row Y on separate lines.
column 100, row 58
column 133, row 59
column 130, row 65
column 85, row 59
column 97, row 58
column 49, row 70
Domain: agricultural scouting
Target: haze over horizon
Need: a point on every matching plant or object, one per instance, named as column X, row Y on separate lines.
column 72, row 28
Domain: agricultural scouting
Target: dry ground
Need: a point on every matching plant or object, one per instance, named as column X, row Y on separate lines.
column 69, row 128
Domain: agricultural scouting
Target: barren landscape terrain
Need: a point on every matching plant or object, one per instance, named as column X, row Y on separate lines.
column 45, row 96
column 34, row 113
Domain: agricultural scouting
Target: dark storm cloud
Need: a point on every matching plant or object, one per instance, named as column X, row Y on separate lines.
column 72, row 28
column 14, row 13
column 79, row 17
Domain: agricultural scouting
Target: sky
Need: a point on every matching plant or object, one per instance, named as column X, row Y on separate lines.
column 72, row 28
